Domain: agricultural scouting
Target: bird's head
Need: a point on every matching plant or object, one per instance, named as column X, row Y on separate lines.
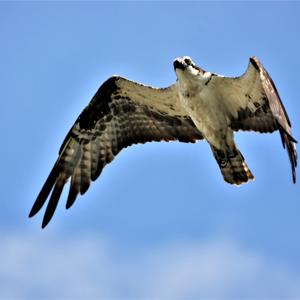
column 188, row 73
column 186, row 65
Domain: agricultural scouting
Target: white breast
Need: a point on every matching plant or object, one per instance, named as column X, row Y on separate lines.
column 206, row 112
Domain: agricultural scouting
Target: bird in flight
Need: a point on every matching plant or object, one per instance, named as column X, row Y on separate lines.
column 199, row 105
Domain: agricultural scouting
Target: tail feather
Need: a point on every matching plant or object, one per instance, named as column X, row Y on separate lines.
column 233, row 166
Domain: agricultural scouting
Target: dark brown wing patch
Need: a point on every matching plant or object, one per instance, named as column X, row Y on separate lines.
column 108, row 124
column 269, row 114
column 279, row 113
column 261, row 120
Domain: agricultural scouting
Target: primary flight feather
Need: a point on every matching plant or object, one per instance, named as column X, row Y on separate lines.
column 200, row 105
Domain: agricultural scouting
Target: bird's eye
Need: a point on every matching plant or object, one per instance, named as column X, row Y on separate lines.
column 188, row 61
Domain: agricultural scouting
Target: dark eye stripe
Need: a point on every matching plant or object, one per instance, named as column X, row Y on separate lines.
column 187, row 61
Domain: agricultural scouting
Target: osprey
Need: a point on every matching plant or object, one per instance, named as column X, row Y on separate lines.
column 200, row 105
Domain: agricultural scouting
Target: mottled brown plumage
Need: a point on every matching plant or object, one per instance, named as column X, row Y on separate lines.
column 200, row 105
column 111, row 122
column 267, row 112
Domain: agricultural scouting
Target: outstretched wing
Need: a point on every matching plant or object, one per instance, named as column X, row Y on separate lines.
column 253, row 103
column 120, row 114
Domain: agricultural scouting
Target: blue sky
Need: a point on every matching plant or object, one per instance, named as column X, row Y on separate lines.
column 159, row 222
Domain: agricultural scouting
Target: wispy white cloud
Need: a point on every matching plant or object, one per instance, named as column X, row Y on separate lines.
column 221, row 269
column 90, row 267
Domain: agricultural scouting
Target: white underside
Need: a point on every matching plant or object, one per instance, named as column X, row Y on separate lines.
column 212, row 105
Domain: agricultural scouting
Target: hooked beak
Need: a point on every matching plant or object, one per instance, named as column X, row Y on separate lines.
column 178, row 65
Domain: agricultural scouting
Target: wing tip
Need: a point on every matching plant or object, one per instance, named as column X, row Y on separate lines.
column 31, row 213
column 52, row 204
column 45, row 191
column 255, row 62
column 45, row 223
column 73, row 192
column 288, row 143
